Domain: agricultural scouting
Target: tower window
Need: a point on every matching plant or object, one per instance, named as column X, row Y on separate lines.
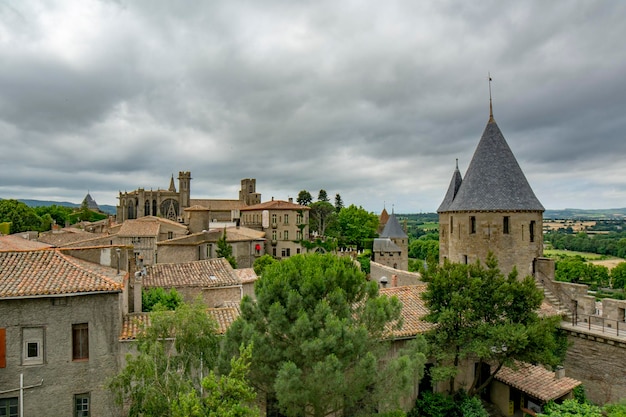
column 505, row 225
column 531, row 231
column 472, row 224
column 451, row 224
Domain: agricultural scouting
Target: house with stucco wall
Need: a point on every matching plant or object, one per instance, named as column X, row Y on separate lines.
column 60, row 318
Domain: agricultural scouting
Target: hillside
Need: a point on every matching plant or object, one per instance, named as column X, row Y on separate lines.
column 44, row 203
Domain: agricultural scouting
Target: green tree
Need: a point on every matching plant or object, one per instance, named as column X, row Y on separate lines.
column 338, row 203
column 304, row 198
column 618, row 276
column 21, row 217
column 263, row 262
column 481, row 314
column 162, row 370
column 60, row 214
column 570, row 408
column 159, row 299
column 225, row 250
column 616, row 409
column 323, row 196
column 356, row 225
column 226, row 396
column 317, row 328
column 322, row 216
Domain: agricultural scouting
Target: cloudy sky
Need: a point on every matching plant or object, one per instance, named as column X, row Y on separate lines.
column 373, row 100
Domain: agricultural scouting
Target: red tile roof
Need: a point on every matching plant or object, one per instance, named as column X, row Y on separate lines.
column 536, row 381
column 50, row 272
column 205, row 273
column 146, row 226
column 276, row 205
column 413, row 309
column 246, row 275
column 67, row 236
column 19, row 242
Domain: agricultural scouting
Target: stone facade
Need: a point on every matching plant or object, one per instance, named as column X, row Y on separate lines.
column 174, row 205
column 466, row 237
column 285, row 224
column 63, row 377
column 598, row 361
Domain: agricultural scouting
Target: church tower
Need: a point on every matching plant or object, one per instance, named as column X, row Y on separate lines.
column 184, row 188
column 492, row 209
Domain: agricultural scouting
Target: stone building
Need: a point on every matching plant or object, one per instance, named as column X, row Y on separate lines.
column 492, row 209
column 391, row 248
column 60, row 319
column 247, row 245
column 285, row 224
column 214, row 281
column 143, row 234
column 171, row 203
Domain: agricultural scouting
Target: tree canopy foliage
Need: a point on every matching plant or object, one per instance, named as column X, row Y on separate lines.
column 317, row 328
column 159, row 299
column 357, row 226
column 166, row 375
column 225, row 250
column 482, row 314
column 613, row 243
column 24, row 218
column 263, row 262
column 304, row 198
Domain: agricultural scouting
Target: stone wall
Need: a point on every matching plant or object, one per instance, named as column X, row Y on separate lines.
column 597, row 361
column 62, row 376
column 459, row 244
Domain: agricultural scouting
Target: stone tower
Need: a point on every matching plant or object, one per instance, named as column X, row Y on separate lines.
column 394, row 232
column 492, row 209
column 184, row 188
column 248, row 193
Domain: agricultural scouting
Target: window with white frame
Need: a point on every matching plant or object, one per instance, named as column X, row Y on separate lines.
column 81, row 405
column 32, row 345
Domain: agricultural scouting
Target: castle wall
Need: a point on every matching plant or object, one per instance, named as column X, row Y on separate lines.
column 597, row 361
column 464, row 240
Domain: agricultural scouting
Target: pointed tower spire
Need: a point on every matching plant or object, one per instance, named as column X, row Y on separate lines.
column 453, row 188
column 491, row 119
column 172, row 186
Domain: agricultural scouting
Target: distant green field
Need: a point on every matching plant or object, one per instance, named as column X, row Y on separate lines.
column 555, row 253
column 429, row 226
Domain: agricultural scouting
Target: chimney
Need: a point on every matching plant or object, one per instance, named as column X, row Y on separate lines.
column 291, row 199
column 137, row 287
column 559, row 372
column 394, row 280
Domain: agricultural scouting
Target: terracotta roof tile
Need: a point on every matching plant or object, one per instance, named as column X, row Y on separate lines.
column 224, row 316
column 413, row 309
column 246, row 275
column 536, row 381
column 145, row 226
column 19, row 242
column 205, row 273
column 49, row 272
column 67, row 236
column 276, row 205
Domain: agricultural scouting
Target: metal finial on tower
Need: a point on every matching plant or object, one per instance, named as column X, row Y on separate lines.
column 457, row 163
column 490, row 103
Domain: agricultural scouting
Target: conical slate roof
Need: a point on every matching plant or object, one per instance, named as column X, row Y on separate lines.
column 393, row 229
column 91, row 203
column 494, row 179
column 455, row 184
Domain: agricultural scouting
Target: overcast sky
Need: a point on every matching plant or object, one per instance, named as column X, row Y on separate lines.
column 373, row 100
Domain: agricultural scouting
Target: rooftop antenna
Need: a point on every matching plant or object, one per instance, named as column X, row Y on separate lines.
column 490, row 103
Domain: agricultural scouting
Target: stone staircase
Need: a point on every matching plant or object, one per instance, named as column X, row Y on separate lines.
column 554, row 301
